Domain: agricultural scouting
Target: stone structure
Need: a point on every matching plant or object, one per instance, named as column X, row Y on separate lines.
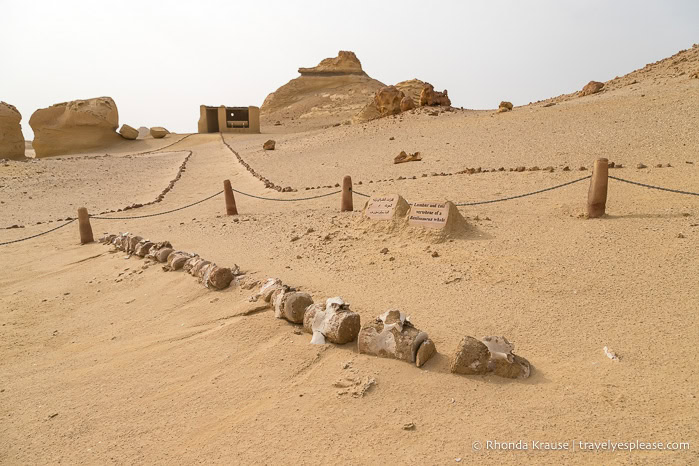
column 229, row 119
column 11, row 138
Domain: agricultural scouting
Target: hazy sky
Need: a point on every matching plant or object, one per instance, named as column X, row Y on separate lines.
column 161, row 60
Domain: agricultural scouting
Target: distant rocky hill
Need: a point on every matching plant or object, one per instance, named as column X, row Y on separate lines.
column 327, row 94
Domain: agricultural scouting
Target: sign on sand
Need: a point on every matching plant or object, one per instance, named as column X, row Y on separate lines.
column 382, row 207
column 431, row 214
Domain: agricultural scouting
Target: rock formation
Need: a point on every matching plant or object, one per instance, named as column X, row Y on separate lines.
column 127, row 132
column 387, row 100
column 327, row 94
column 431, row 98
column 504, row 107
column 593, row 87
column 11, row 138
column 412, row 89
column 158, row 132
column 143, row 132
column 405, row 157
column 74, row 127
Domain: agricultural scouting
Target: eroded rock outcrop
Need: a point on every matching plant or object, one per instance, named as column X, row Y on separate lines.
column 387, row 100
column 11, row 138
column 327, row 94
column 430, row 97
column 74, row 127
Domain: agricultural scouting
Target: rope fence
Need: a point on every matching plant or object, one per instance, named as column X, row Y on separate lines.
column 597, row 197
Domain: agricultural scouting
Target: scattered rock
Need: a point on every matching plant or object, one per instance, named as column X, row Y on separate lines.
column 384, row 251
column 127, row 132
column 269, row 145
column 610, row 354
column 502, row 362
column 504, row 106
column 409, row 426
column 404, row 157
column 158, row 132
column 680, row 235
column 593, row 87
column 641, row 166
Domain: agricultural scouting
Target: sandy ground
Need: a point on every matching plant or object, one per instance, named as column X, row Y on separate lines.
column 106, row 360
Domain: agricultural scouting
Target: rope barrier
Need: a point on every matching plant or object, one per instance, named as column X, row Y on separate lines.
column 159, row 213
column 286, row 200
column 653, row 187
column 462, row 204
column 38, row 234
column 524, row 195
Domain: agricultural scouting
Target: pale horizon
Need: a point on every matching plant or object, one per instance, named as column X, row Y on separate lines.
column 159, row 63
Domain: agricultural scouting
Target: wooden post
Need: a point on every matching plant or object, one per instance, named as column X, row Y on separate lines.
column 231, row 208
column 597, row 194
column 346, row 205
column 84, row 225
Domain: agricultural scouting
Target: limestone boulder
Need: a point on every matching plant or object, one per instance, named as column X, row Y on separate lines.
column 11, row 138
column 128, row 132
column 593, row 87
column 507, row 106
column 158, row 132
column 430, row 97
column 406, row 104
column 74, row 127
column 143, row 132
column 388, row 100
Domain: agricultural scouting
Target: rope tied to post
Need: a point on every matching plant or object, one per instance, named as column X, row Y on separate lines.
column 159, row 213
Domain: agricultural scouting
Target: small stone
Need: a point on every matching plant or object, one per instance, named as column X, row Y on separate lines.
column 435, row 254
column 384, row 251
column 641, row 166
column 269, row 145
column 295, row 238
column 409, row 426
column 680, row 235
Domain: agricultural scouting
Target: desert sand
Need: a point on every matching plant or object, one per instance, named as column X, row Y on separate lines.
column 108, row 359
